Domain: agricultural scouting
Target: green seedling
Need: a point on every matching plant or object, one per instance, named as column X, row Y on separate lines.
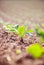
column 35, row 50
column 21, row 30
column 40, row 32
column 10, row 28
column 14, row 28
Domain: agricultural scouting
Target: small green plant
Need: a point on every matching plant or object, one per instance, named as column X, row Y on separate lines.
column 20, row 30
column 35, row 50
column 14, row 28
column 10, row 28
column 39, row 32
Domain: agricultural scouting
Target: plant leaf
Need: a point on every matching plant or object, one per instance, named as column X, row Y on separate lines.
column 35, row 50
column 21, row 30
column 29, row 31
column 40, row 32
column 15, row 26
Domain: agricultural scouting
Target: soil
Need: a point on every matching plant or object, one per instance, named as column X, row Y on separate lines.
column 10, row 42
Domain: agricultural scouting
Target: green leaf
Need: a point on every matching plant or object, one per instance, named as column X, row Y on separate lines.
column 8, row 27
column 29, row 31
column 40, row 32
column 35, row 50
column 21, row 30
column 15, row 26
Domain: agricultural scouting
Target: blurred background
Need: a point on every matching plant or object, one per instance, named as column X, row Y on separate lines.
column 22, row 11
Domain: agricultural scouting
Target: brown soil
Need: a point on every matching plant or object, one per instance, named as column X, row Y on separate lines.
column 10, row 42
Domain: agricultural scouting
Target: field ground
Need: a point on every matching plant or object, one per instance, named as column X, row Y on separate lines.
column 22, row 11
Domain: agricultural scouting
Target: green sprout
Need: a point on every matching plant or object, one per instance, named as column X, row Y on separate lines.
column 10, row 28
column 21, row 30
column 14, row 28
column 35, row 50
column 39, row 32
